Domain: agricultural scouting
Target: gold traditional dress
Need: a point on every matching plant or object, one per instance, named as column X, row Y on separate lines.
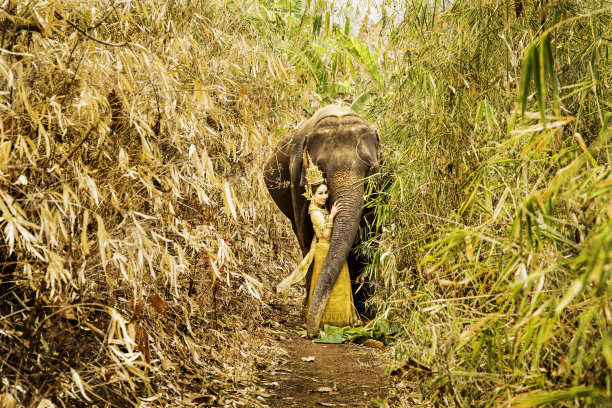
column 340, row 310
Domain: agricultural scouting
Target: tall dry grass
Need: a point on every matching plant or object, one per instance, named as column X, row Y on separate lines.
column 137, row 237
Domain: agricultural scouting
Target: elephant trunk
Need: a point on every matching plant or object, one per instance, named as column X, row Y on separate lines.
column 346, row 188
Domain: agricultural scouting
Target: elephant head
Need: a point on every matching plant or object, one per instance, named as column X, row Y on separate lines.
column 346, row 148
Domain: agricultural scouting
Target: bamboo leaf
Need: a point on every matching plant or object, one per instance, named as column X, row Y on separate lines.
column 550, row 69
column 528, row 68
column 539, row 78
column 556, row 396
column 368, row 59
column 361, row 102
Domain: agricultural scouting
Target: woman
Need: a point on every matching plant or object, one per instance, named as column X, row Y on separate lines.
column 339, row 311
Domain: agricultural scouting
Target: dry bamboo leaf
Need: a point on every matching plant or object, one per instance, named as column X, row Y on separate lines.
column 228, row 200
column 84, row 240
column 157, row 302
column 309, row 359
column 7, row 400
column 5, row 153
column 136, row 310
column 45, row 403
column 102, row 239
column 76, row 378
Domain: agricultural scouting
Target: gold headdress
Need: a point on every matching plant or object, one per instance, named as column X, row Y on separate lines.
column 314, row 176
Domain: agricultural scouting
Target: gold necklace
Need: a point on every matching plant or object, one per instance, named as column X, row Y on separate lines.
column 314, row 207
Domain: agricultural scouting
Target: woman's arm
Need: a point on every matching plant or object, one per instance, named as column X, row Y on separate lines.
column 322, row 227
column 325, row 226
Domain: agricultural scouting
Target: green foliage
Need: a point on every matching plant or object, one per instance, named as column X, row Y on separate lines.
column 331, row 335
column 332, row 66
column 495, row 256
column 337, row 335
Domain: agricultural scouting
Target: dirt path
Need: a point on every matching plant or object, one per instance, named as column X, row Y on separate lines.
column 328, row 375
column 311, row 374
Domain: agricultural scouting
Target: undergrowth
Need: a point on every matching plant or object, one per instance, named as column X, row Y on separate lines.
column 134, row 257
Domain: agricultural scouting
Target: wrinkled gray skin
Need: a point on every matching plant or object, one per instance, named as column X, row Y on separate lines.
column 346, row 148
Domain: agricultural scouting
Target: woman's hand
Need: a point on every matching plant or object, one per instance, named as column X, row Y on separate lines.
column 334, row 211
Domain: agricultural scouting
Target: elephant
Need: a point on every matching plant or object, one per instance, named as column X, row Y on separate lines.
column 347, row 149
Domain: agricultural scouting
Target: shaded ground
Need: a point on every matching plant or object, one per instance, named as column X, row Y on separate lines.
column 308, row 374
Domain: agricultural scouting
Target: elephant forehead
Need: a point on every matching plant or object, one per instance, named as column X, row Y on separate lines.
column 335, row 130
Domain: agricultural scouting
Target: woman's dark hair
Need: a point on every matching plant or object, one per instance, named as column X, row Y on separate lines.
column 314, row 188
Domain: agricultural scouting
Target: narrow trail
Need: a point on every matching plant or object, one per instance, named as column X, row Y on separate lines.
column 308, row 374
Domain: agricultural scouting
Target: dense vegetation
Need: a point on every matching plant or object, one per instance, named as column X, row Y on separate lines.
column 140, row 248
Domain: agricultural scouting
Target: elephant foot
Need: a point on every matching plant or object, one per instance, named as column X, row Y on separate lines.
column 312, row 332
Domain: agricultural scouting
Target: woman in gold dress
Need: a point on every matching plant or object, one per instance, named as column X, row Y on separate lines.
column 340, row 310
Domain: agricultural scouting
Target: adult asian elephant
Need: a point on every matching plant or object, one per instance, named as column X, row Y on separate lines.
column 346, row 148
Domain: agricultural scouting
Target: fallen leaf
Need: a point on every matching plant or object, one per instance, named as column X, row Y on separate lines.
column 326, row 404
column 325, row 389
column 69, row 314
column 410, row 368
column 308, row 359
column 204, row 399
column 141, row 338
column 45, row 403
column 374, row 344
column 108, row 372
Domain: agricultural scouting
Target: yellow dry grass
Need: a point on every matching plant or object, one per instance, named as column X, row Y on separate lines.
column 130, row 137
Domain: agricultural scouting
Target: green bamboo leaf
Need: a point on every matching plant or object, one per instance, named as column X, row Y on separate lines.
column 368, row 60
column 550, row 68
column 317, row 68
column 539, row 76
column 528, row 67
column 347, row 26
column 317, row 23
column 479, row 114
column 561, row 395
column 361, row 102
column 594, row 63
